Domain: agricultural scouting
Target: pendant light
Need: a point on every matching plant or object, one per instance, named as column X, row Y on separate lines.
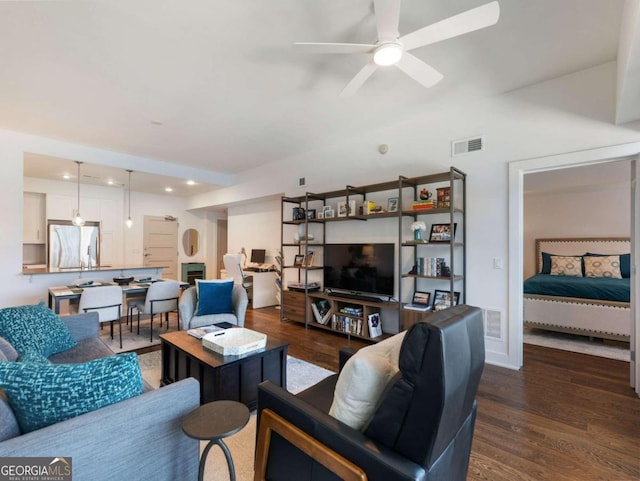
column 77, row 218
column 129, row 221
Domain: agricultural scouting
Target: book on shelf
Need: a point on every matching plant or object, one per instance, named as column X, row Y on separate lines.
column 354, row 311
column 375, row 326
column 321, row 311
column 430, row 266
column 347, row 324
column 422, row 204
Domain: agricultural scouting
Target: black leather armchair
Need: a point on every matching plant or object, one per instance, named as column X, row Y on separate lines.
column 422, row 428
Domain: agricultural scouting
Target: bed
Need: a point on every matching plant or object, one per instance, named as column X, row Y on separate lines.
column 591, row 306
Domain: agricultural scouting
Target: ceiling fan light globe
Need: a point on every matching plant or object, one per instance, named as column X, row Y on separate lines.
column 387, row 54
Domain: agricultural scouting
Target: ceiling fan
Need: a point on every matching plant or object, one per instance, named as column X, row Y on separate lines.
column 391, row 49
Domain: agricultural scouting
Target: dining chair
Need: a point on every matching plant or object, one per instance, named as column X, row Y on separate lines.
column 107, row 301
column 162, row 297
column 233, row 267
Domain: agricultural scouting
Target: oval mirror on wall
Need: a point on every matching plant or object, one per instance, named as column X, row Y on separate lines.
column 190, row 242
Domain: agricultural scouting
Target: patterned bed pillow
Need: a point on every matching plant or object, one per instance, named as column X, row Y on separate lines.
column 546, row 261
column 566, row 266
column 602, row 266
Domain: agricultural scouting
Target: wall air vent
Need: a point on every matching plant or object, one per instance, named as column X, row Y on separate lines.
column 492, row 323
column 465, row 146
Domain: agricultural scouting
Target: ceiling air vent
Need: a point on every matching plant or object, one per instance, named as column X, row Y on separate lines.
column 465, row 146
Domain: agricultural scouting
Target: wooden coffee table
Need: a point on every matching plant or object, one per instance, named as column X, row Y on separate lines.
column 234, row 378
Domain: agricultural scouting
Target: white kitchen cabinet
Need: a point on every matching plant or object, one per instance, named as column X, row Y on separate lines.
column 33, row 225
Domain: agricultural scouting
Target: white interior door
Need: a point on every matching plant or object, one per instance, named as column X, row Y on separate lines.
column 160, row 240
column 221, row 244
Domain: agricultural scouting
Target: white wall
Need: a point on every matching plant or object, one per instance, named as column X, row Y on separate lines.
column 568, row 114
column 255, row 226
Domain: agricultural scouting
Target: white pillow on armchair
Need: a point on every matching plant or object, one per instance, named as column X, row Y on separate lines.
column 362, row 381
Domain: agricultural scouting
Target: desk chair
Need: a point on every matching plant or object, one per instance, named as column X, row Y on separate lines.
column 162, row 297
column 233, row 266
column 107, row 301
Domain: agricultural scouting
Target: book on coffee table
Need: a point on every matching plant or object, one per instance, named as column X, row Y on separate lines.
column 200, row 332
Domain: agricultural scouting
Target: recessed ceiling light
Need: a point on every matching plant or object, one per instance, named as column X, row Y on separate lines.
column 66, row 176
column 110, row 182
column 168, row 189
column 191, row 182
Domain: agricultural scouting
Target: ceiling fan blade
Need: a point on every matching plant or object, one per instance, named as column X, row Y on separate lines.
column 418, row 70
column 360, row 78
column 311, row 47
column 387, row 19
column 465, row 22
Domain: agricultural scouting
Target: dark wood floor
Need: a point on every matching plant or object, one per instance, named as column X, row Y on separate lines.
column 563, row 417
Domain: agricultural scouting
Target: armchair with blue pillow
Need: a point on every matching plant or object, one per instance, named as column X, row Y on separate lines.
column 212, row 302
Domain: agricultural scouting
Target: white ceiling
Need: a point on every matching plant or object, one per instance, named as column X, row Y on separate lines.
column 230, row 92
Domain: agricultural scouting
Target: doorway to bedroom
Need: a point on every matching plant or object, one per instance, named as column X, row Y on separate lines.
column 517, row 172
column 586, row 201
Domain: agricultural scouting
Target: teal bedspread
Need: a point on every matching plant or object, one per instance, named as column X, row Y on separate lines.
column 600, row 288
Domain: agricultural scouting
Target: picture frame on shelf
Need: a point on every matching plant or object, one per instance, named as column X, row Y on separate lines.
column 308, row 259
column 420, row 301
column 311, row 214
column 352, row 208
column 299, row 260
column 329, row 214
column 442, row 299
column 321, row 215
column 298, row 213
column 342, row 209
column 442, row 233
column 392, row 204
column 326, row 209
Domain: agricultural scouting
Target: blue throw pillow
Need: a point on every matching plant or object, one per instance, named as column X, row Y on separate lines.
column 41, row 393
column 214, row 297
column 35, row 328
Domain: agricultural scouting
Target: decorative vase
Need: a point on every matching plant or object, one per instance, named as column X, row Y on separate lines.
column 417, row 235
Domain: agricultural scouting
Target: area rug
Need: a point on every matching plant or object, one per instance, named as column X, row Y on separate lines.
column 300, row 375
column 574, row 343
column 131, row 340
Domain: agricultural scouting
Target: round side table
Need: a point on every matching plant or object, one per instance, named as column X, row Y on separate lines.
column 213, row 422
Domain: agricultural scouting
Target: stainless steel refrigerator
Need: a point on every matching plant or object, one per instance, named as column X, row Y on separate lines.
column 73, row 247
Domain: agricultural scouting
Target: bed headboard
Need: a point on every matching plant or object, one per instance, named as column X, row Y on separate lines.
column 580, row 245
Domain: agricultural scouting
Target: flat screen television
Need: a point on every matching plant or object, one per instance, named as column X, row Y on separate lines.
column 359, row 268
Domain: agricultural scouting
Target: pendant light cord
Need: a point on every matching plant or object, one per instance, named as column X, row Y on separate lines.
column 78, row 211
